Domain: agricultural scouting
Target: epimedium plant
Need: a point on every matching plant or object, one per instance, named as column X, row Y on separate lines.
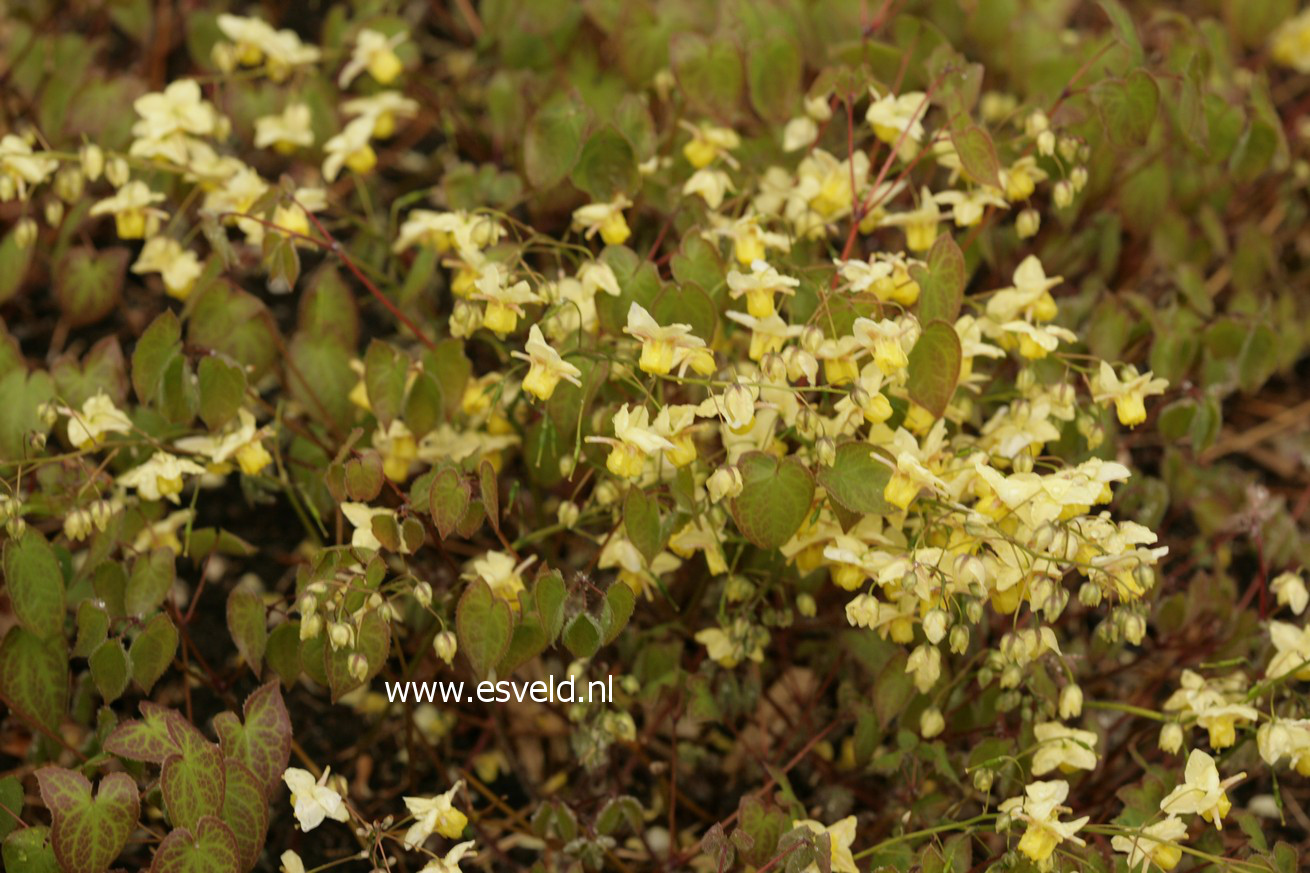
column 785, row 364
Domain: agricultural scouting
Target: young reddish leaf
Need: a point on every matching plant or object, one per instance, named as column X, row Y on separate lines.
column 448, row 500
column 152, row 651
column 192, row 780
column 941, row 284
column 774, row 500
column 934, row 367
column 35, row 584
column 483, row 623
column 34, row 677
column 149, row 738
column 88, row 833
column 212, row 848
column 977, row 154
column 263, row 741
column 248, row 624
column 245, row 810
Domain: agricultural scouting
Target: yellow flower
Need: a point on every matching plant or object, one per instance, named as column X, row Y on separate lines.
column 351, row 149
column 547, row 367
column 739, row 642
column 178, row 267
column 360, row 516
column 286, row 131
column 1128, row 390
column 502, row 575
column 21, row 167
column 1067, row 749
column 708, row 141
column 1040, row 808
column 1202, row 792
column 383, row 108
column 450, row 862
column 434, row 815
column 759, row 286
column 633, row 440
column 504, row 302
column 663, row 348
column 98, row 417
column 255, row 42
column 674, row 423
column 376, row 53
column 892, row 117
column 160, row 477
column 239, row 440
column 313, row 801
column 1290, row 43
column 840, row 836
column 399, row 450
column 1155, row 844
column 604, row 218
column 134, row 217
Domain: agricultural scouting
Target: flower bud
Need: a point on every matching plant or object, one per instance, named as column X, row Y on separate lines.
column 737, row 589
column 423, row 593
column 1171, row 737
column 1071, row 702
column 101, row 513
column 358, row 666
column 1063, row 194
column 807, row 423
column 25, row 233
column 724, row 482
column 311, row 626
column 1046, row 143
column 1068, row 148
column 1134, row 628
column 1078, row 178
column 934, row 625
column 774, row 368
column 567, row 464
column 445, row 644
column 54, row 212
column 826, row 448
column 931, row 723
column 974, row 610
column 606, row 493
column 959, row 639
column 806, row 606
column 77, row 525
column 93, row 161
column 1028, row 223
column 69, row 182
column 339, row 635
column 811, row 338
column 117, row 171
column 1036, row 123
column 1022, row 462
column 1011, row 676
column 982, row 779
column 568, row 514
column 1089, row 595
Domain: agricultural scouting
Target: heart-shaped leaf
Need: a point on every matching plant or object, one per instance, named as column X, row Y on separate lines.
column 977, row 153
column 774, row 500
column 109, row 669
column 483, row 623
column 152, row 577
column 619, row 603
column 245, row 810
column 28, row 850
column 248, row 624
column 941, row 283
column 35, row 584
column 222, row 390
column 856, row 480
column 34, row 677
column 373, row 641
column 88, row 832
column 152, row 651
column 192, row 780
column 582, row 635
column 934, row 367
column 448, row 500
column 641, row 520
column 549, row 595
column 151, row 737
column 263, row 741
column 212, row 848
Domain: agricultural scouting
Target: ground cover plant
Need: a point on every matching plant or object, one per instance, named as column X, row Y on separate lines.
column 895, row 406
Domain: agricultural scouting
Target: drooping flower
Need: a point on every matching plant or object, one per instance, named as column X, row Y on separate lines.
column 759, row 286
column 375, row 52
column 161, row 477
column 177, row 266
column 1155, row 844
column 239, row 440
column 98, row 417
column 313, row 801
column 500, row 571
column 451, row 861
column 1202, row 791
column 1040, row 809
column 435, row 815
column 287, row 131
column 633, row 441
column 546, row 368
column 665, row 347
column 134, row 215
column 1128, row 390
column 604, row 218
column 1064, row 748
column 21, row 167
column 351, row 149
column 840, row 835
column 504, row 301
column 360, row 516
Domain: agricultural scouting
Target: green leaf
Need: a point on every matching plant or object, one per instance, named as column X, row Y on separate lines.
column 425, row 405
column 641, row 520
column 709, row 73
column 482, row 623
column 21, row 395
column 157, row 348
column 941, row 284
column 977, row 154
column 582, row 635
column 245, row 810
column 774, row 75
column 88, row 833
column 11, row 805
column 35, row 584
column 552, row 141
column 1128, row 107
column 283, row 651
column 775, row 498
column 529, row 640
column 385, row 370
column 212, row 848
column 364, row 476
column 247, row 622
column 192, row 780
column 489, row 488
column 452, row 370
column 934, row 367
column 14, row 261
column 109, row 669
column 619, row 603
column 607, row 166
column 549, row 595
column 34, row 677
column 1124, row 27
column 88, row 283
column 448, row 500
column 319, row 377
column 263, row 741
column 28, row 850
column 179, row 392
column 856, row 479
column 222, row 390
column 152, row 651
column 235, row 323
column 110, row 586
column 152, row 577
column 149, row 738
